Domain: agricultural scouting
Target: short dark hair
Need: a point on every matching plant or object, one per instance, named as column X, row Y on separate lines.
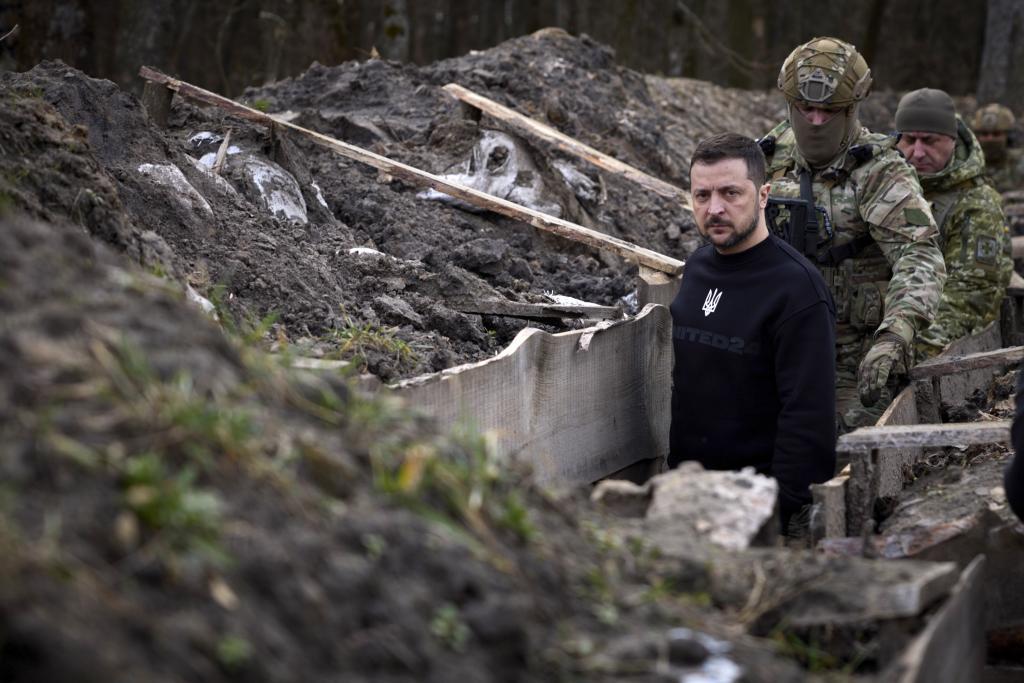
column 732, row 146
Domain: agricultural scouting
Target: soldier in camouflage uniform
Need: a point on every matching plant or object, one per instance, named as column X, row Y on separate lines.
column 1004, row 164
column 972, row 229
column 875, row 241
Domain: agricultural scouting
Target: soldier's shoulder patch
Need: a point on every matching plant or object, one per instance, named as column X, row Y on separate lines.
column 986, row 250
column 916, row 216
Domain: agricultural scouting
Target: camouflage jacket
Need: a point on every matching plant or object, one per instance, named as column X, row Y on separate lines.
column 975, row 244
column 1007, row 176
column 873, row 201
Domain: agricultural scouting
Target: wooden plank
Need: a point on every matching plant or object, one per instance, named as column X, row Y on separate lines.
column 528, row 127
column 830, row 497
column 893, row 461
column 952, row 646
column 519, row 309
column 654, row 287
column 942, row 365
column 1018, row 246
column 419, row 178
column 156, row 98
column 1016, row 282
column 575, row 415
column 925, row 435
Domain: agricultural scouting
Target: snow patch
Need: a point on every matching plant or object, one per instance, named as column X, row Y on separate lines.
column 320, row 196
column 365, row 251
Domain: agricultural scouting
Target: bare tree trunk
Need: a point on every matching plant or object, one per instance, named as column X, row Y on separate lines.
column 1001, row 78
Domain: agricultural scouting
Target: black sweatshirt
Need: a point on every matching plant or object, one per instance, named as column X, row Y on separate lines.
column 754, row 378
column 1013, row 481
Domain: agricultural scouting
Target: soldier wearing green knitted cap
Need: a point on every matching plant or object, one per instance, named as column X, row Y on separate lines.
column 872, row 234
column 972, row 229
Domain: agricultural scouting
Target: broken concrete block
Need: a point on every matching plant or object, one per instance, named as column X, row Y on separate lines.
column 269, row 185
column 621, row 497
column 730, row 509
column 171, row 177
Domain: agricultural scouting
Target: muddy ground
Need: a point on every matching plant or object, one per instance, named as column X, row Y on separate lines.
column 177, row 505
column 284, row 247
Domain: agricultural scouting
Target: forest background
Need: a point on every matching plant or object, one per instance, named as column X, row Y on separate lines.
column 225, row 45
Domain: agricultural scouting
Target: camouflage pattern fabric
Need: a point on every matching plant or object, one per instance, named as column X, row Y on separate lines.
column 975, row 242
column 1007, row 177
column 895, row 283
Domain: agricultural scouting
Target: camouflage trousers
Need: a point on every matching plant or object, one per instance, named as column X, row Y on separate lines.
column 851, row 346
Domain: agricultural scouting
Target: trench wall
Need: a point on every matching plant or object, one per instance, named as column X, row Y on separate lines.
column 577, row 406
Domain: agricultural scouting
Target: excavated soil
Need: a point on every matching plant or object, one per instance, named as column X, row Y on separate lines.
column 176, row 504
column 86, row 152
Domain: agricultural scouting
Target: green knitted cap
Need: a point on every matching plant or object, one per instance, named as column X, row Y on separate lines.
column 926, row 111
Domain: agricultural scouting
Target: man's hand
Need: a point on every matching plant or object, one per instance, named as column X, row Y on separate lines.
column 887, row 356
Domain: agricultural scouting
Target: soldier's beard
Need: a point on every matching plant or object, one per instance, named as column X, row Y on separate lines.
column 736, row 237
column 822, row 143
column 995, row 150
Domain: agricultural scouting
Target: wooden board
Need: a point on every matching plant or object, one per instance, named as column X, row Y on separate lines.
column 880, row 454
column 925, row 435
column 830, row 497
column 517, row 309
column 956, row 388
column 578, row 406
column 654, row 287
column 952, row 646
column 1018, row 246
column 957, row 363
column 419, row 178
column 902, row 411
column 524, row 125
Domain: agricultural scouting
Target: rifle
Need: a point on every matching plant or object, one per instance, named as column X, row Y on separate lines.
column 801, row 230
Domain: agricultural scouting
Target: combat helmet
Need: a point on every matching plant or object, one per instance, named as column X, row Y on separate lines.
column 826, row 72
column 992, row 117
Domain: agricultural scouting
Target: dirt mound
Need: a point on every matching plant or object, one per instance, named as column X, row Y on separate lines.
column 291, row 230
column 178, row 507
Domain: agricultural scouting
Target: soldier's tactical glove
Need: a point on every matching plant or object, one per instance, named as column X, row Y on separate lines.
column 887, row 356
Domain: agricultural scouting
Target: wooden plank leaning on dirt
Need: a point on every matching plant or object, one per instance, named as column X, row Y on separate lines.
column 939, row 366
column 518, row 309
column 524, row 125
column 419, row 178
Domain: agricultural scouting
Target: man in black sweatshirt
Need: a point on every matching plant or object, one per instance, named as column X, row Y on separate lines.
column 753, row 335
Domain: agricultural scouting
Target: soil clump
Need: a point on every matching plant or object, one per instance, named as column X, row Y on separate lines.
column 350, row 266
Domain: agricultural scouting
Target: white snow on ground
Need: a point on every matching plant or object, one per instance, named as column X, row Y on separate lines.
column 320, row 196
column 365, row 251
